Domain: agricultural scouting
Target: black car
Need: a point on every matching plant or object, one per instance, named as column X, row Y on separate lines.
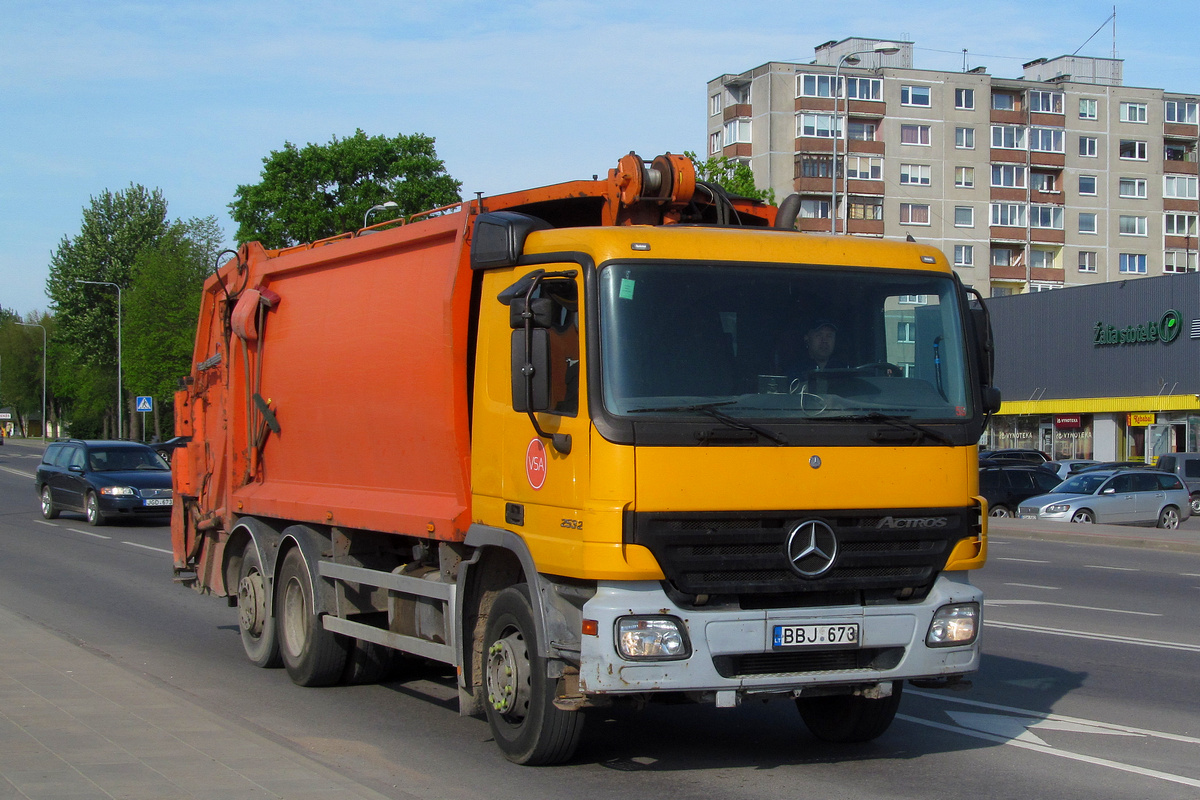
column 1004, row 486
column 1034, row 457
column 104, row 479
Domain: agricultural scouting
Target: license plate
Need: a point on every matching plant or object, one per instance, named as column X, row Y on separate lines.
column 163, row 502
column 1029, row 516
column 845, row 634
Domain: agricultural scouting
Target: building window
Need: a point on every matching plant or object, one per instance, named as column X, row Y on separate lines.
column 1087, row 146
column 854, row 88
column 1179, row 224
column 1179, row 261
column 1087, row 260
column 1008, row 137
column 861, row 131
column 914, row 213
column 1133, row 112
column 1009, row 215
column 964, row 138
column 915, row 174
column 1004, row 101
column 1046, row 217
column 814, row 165
column 964, row 177
column 914, row 96
column 1132, row 150
column 866, row 209
column 1046, row 102
column 1132, row 187
column 1087, row 184
column 818, row 126
column 1087, row 222
column 1087, row 108
column 1041, row 259
column 1181, row 111
column 1009, row 175
column 914, row 134
column 964, row 99
column 1130, row 225
column 714, row 143
column 737, row 131
column 1132, row 263
column 814, row 86
column 1046, row 140
column 739, row 94
column 864, row 168
column 964, row 255
column 964, row 217
column 1002, row 257
column 1043, row 181
column 913, row 299
column 863, row 88
column 714, row 105
column 1181, row 187
column 811, row 208
column 905, row 332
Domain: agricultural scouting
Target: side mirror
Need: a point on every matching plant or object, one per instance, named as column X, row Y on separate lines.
column 1108, row 490
column 75, row 468
column 991, row 400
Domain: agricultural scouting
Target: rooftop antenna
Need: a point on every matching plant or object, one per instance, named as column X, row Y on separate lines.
column 964, row 59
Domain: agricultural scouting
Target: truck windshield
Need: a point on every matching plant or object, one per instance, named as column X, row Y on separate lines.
column 781, row 342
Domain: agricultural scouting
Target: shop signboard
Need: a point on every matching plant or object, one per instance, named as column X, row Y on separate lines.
column 1136, row 419
column 1068, row 421
column 1165, row 329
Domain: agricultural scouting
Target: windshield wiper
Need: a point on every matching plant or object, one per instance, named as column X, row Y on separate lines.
column 905, row 424
column 713, row 410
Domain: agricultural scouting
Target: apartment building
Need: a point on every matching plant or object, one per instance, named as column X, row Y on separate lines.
column 1062, row 177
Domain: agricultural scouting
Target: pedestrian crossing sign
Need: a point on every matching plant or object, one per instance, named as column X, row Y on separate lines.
column 145, row 403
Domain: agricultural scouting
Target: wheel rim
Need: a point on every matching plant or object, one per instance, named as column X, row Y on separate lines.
column 1170, row 518
column 508, row 683
column 252, row 607
column 93, row 511
column 1196, row 506
column 294, row 629
column 46, row 501
column 999, row 511
column 1082, row 516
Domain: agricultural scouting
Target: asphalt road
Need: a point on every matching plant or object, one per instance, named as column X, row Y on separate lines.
column 1088, row 687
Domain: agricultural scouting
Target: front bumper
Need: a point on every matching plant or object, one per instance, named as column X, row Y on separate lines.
column 732, row 651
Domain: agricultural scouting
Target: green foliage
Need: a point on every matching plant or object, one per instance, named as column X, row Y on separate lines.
column 735, row 177
column 317, row 191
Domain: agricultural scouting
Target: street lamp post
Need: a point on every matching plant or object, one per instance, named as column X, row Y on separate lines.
column 35, row 325
column 120, row 393
column 882, row 48
column 380, row 207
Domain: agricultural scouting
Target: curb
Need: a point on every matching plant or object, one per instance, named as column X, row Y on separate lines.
column 1176, row 541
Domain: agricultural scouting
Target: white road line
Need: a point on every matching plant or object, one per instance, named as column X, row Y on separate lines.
column 1189, row 575
column 1023, row 560
column 43, row 522
column 89, row 533
column 1115, row 569
column 1068, row 605
column 1096, row 637
column 148, row 547
column 1035, row 586
column 20, row 472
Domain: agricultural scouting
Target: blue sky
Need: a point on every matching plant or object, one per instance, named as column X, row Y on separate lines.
column 190, row 95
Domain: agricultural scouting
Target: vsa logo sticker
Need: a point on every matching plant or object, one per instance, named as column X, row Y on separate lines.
column 899, row 523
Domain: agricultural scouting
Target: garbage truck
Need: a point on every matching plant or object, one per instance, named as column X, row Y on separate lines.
column 562, row 440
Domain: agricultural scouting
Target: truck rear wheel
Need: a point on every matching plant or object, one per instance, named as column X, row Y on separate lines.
column 312, row 655
column 520, row 697
column 257, row 629
column 847, row 718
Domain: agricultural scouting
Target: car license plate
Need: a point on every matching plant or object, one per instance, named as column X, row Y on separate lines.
column 166, row 501
column 1029, row 516
column 845, row 634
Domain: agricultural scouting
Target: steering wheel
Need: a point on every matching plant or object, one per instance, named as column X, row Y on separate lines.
column 883, row 369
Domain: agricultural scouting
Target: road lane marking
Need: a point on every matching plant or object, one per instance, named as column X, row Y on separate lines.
column 148, row 547
column 1115, row 569
column 1022, row 560
column 89, row 533
column 1068, row 605
column 1035, row 586
column 20, row 472
column 1096, row 637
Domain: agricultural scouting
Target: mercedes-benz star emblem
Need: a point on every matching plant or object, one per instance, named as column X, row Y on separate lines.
column 812, row 548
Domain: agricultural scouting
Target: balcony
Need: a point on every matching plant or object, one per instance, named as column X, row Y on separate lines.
column 1047, row 235
column 738, row 110
column 1008, row 272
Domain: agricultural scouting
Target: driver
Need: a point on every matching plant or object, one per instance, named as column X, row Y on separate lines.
column 820, row 340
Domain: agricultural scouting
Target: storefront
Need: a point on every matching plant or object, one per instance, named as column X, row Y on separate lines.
column 1110, row 372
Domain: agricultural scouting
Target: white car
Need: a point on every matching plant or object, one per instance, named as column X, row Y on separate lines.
column 1068, row 466
column 1118, row 497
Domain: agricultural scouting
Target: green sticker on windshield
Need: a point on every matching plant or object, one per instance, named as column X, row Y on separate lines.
column 627, row 288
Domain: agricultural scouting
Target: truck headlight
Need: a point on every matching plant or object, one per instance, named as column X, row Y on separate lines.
column 652, row 639
column 117, row 491
column 954, row 625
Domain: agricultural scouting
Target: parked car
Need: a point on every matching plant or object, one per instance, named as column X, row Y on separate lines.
column 1015, row 454
column 1186, row 467
column 1103, row 465
column 1067, row 467
column 103, row 479
column 1114, row 496
column 1005, row 485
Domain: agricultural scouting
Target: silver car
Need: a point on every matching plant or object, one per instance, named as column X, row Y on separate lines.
column 1118, row 497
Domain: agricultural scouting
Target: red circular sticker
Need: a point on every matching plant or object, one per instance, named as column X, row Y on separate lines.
column 536, row 463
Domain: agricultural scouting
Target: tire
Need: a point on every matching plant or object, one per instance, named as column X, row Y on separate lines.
column 520, row 698
column 1083, row 515
column 1195, row 503
column 1000, row 511
column 1169, row 518
column 260, row 639
column 91, row 510
column 847, row 718
column 312, row 655
column 49, row 510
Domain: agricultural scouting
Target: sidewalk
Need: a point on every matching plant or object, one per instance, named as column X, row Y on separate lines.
column 1181, row 540
column 75, row 725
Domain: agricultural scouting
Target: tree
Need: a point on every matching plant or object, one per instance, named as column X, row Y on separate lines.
column 317, row 191
column 735, row 177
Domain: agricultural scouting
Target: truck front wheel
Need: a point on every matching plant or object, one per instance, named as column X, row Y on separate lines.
column 256, row 627
column 520, row 697
column 847, row 718
column 312, row 655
